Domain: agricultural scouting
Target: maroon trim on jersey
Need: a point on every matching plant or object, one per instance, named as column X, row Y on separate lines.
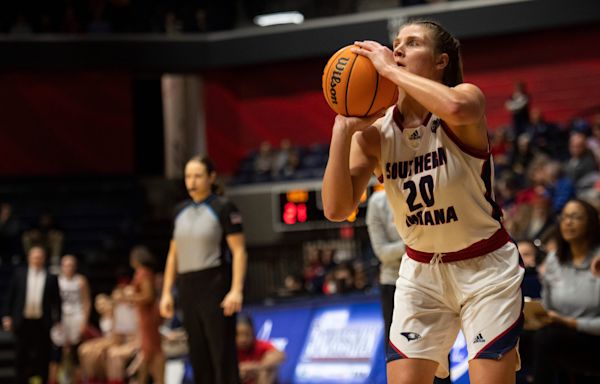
column 464, row 147
column 399, row 118
column 391, row 357
column 480, row 248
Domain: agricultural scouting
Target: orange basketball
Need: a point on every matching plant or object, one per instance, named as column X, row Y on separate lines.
column 352, row 86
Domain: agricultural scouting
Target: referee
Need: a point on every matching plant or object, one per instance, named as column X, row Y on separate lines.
column 208, row 257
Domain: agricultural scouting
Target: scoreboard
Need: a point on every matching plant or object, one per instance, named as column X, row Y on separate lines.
column 300, row 207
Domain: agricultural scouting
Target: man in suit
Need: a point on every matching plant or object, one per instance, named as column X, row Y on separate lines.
column 32, row 308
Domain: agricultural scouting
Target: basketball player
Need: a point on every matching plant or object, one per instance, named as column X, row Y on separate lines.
column 431, row 152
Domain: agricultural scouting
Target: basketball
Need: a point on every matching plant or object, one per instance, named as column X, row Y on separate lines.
column 352, row 86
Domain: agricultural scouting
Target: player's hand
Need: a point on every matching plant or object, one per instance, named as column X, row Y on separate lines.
column 232, row 303
column 166, row 306
column 354, row 124
column 381, row 56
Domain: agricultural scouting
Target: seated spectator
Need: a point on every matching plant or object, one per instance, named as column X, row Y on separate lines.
column 106, row 357
column 258, row 359
column 521, row 155
column 531, row 259
column 593, row 142
column 582, row 161
column 293, row 285
column 560, row 188
column 531, row 220
column 313, row 270
column 92, row 352
column 340, row 280
column 500, row 146
column 263, row 162
column 285, row 161
column 571, row 296
column 543, row 133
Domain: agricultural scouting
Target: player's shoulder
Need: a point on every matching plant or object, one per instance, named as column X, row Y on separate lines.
column 181, row 206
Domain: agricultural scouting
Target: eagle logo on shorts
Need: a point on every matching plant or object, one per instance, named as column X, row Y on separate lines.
column 411, row 336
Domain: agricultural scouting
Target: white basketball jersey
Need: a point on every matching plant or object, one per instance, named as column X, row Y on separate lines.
column 70, row 294
column 441, row 191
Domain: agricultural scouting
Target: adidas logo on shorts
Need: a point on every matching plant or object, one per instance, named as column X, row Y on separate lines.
column 479, row 339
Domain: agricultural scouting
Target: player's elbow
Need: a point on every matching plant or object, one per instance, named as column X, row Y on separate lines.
column 336, row 213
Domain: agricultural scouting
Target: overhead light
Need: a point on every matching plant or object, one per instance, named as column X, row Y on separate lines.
column 278, row 18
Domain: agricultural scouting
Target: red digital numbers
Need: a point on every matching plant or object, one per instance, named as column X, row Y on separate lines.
column 294, row 213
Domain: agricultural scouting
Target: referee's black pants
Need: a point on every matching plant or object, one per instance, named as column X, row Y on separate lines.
column 211, row 335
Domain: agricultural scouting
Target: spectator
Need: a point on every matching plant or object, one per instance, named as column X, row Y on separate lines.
column 593, row 142
column 531, row 258
column 313, row 270
column 389, row 249
column 258, row 359
column 32, row 308
column 542, row 133
column 105, row 358
column 518, row 106
column 143, row 295
column 560, row 188
column 76, row 306
column 530, row 220
column 582, row 161
column 521, row 155
column 47, row 234
column 293, row 285
column 92, row 353
column 285, row 161
column 263, row 162
column 572, row 298
column 500, row 144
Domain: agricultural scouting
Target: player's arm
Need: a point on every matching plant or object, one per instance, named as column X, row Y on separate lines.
column 232, row 302
column 272, row 359
column 86, row 300
column 353, row 155
column 166, row 300
column 462, row 107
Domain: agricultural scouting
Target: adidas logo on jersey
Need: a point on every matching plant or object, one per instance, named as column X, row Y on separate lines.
column 411, row 336
column 416, row 135
column 479, row 339
column 435, row 124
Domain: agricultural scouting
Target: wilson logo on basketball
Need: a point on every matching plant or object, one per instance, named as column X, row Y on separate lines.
column 336, row 77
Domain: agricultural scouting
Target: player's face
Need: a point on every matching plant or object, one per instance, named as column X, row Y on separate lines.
column 573, row 221
column 244, row 336
column 197, row 180
column 414, row 49
column 68, row 266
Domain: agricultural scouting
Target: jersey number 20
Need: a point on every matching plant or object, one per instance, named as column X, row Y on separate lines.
column 426, row 190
